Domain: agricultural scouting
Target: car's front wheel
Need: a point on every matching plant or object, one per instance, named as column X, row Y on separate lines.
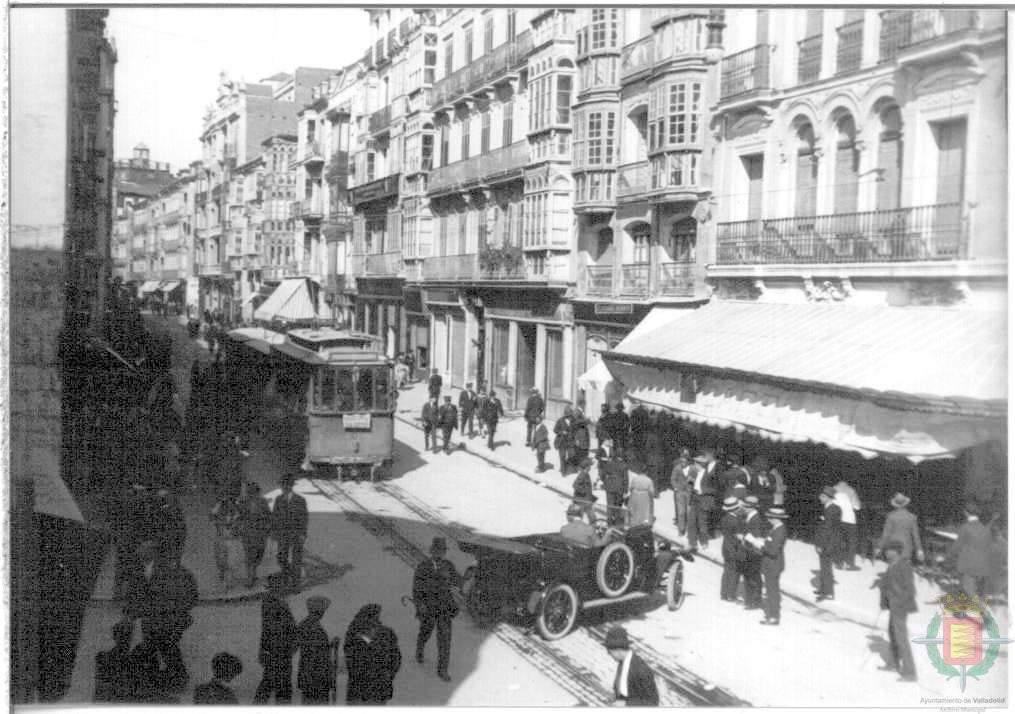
column 615, row 569
column 558, row 613
column 674, row 581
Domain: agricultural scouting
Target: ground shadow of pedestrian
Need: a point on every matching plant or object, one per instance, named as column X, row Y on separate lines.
column 877, row 644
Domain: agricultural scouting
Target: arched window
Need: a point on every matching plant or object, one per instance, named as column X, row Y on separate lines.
column 682, row 240
column 806, row 171
column 889, row 159
column 847, row 165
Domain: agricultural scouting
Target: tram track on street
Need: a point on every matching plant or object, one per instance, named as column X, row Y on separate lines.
column 689, row 688
column 574, row 679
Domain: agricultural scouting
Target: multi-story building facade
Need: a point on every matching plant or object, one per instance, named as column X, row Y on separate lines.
column 135, row 181
column 278, row 227
column 859, row 256
column 242, row 118
column 642, row 170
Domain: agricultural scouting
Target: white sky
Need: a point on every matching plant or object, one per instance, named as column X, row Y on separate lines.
column 169, row 61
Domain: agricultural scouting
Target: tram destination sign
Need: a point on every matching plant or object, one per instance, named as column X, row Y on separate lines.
column 355, row 421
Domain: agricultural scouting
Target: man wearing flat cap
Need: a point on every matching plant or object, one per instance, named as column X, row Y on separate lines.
column 826, row 541
column 314, row 676
column 434, row 588
column 634, row 685
column 898, row 596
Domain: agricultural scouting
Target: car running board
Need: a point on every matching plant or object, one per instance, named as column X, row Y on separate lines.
column 612, row 600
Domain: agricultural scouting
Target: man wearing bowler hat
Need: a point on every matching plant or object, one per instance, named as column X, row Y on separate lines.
column 634, row 685
column 826, row 541
column 434, row 588
column 773, row 563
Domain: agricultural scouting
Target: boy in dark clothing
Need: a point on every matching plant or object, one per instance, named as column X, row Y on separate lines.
column 225, row 668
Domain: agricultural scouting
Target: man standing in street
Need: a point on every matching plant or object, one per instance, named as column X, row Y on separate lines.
column 289, row 524
column 621, row 428
column 534, row 408
column 901, row 526
column 634, row 685
column 753, row 528
column 615, row 484
column 435, row 384
column 494, row 410
column 773, row 562
column 434, row 585
column 541, row 444
column 583, row 496
column 898, row 596
column 429, row 418
column 278, row 642
column 703, row 490
column 681, row 490
column 732, row 548
column 604, row 427
column 849, row 504
column 969, row 556
column 447, row 420
column 314, row 675
column 467, row 410
column 826, row 541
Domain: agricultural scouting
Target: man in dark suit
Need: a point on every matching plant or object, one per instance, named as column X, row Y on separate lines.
column 534, row 408
column 434, row 587
column 225, row 668
column 447, row 420
column 898, row 596
column 703, row 490
column 467, row 410
column 970, row 554
column 429, row 418
column 901, row 525
column 754, row 528
column 492, row 412
column 289, row 525
column 278, row 642
column 615, row 483
column 826, row 541
column 621, row 428
column 634, row 685
column 314, row 676
column 732, row 548
column 773, row 562
column 435, row 384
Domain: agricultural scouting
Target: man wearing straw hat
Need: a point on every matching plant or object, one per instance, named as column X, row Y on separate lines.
column 901, row 525
column 773, row 563
column 732, row 550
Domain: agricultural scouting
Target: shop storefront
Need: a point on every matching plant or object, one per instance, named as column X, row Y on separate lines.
column 417, row 330
column 380, row 311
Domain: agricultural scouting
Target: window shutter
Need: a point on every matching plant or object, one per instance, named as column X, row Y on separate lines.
column 806, row 184
column 846, row 158
column 890, row 163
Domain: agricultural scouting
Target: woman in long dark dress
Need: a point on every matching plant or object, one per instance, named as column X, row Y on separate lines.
column 372, row 658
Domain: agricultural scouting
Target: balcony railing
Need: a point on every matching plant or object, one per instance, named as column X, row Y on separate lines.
column 935, row 232
column 278, row 272
column 210, row 269
column 676, row 278
column 484, row 71
column 500, row 164
column 312, row 153
column 380, row 119
column 389, row 263
column 747, row 71
column 637, row 56
column 809, row 60
column 634, row 280
column 172, row 244
column 308, row 208
column 903, row 28
column 451, row 267
column 850, row 47
column 632, row 179
column 598, row 280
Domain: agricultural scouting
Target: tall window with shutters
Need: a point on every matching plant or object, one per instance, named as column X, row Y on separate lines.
column 487, row 32
column 554, row 364
column 847, row 164
column 950, row 138
column 508, row 124
column 889, row 159
column 806, row 173
column 465, row 124
column 467, row 42
column 754, row 167
column 449, row 55
column 484, row 132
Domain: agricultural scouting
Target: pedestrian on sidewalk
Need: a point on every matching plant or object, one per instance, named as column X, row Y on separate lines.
column 372, row 658
column 562, row 438
column 289, row 525
column 604, row 425
column 230, row 466
column 278, row 643
column 112, row 667
column 703, row 490
column 754, row 529
column 494, row 410
column 435, row 384
column 681, row 490
column 615, row 483
column 314, row 675
column 970, row 555
column 225, row 668
column 849, row 503
column 447, row 420
column 223, row 516
column 467, row 410
column 583, row 496
column 898, row 596
column 621, row 428
column 540, row 441
column 641, row 494
column 732, row 548
column 580, row 439
column 401, row 372
column 901, row 525
column 826, row 542
column 638, row 428
column 434, row 585
column 634, row 685
column 429, row 418
column 773, row 562
column 253, row 525
column 535, row 407
column 410, row 364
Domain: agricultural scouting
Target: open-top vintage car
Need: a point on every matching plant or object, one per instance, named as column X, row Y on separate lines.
column 549, row 578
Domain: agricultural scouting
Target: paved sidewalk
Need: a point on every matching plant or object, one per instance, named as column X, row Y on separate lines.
column 855, row 600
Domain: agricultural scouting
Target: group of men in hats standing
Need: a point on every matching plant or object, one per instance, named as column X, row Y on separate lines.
column 752, row 551
column 446, row 417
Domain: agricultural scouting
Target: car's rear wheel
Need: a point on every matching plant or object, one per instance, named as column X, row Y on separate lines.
column 615, row 569
column 558, row 612
column 674, row 581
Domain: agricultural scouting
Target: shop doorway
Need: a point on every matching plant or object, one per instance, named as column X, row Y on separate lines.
column 525, row 370
column 458, row 351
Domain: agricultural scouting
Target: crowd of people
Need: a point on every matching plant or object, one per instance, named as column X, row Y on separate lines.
column 482, row 409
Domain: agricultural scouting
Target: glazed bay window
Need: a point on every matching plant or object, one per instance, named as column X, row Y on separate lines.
column 680, row 37
column 535, row 264
column 598, row 72
column 600, row 136
column 675, row 170
column 674, row 116
column 602, row 32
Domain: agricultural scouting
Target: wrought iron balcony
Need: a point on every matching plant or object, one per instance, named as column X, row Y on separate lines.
column 747, row 71
column 922, row 233
column 451, row 267
column 389, row 263
column 850, row 48
column 597, row 280
column 172, row 244
column 278, row 272
column 902, row 29
column 312, row 154
column 308, row 209
column 809, row 59
column 485, row 71
column 380, row 188
column 211, row 270
column 380, row 120
column 634, row 281
column 499, row 165
column 676, row 279
column 632, row 180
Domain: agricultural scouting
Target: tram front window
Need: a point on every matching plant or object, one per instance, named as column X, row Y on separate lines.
column 381, row 389
column 344, row 391
column 365, row 389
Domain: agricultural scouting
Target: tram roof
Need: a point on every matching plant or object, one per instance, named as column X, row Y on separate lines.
column 318, row 338
column 340, row 355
